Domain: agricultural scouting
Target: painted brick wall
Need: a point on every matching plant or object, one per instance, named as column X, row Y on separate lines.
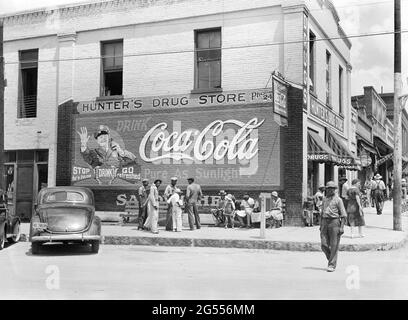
column 294, row 158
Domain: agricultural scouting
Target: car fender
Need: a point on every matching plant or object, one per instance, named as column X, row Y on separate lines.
column 95, row 228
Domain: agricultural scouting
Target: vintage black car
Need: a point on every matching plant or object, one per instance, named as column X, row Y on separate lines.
column 67, row 215
column 9, row 226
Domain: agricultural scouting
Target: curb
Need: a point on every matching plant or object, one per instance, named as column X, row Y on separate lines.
column 241, row 244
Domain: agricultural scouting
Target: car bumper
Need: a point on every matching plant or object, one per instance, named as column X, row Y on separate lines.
column 65, row 237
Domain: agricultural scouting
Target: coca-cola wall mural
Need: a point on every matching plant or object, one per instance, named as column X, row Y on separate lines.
column 228, row 145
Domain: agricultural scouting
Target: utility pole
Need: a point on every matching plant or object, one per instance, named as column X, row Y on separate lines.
column 2, row 172
column 397, row 174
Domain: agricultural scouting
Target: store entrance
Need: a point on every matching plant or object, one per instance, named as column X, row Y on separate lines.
column 26, row 174
column 24, row 196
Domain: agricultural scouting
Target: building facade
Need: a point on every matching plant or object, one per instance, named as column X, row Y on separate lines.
column 108, row 93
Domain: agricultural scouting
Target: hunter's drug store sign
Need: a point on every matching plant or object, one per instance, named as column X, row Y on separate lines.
column 238, row 144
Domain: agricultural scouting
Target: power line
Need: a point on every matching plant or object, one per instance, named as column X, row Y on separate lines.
column 215, row 48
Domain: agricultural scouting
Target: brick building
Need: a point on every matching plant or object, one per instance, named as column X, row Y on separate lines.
column 231, row 92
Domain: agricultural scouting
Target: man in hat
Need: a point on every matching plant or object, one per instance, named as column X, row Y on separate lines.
column 153, row 207
column 168, row 192
column 332, row 224
column 343, row 190
column 108, row 152
column 193, row 195
column 378, row 193
column 143, row 193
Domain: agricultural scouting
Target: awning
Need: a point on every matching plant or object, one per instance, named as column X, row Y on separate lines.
column 318, row 150
column 346, row 159
column 384, row 159
column 366, row 146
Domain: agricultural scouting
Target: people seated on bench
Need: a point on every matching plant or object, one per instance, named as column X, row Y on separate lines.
column 276, row 211
column 218, row 212
column 247, row 208
column 229, row 211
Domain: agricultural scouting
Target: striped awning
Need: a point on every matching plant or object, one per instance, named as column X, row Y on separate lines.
column 318, row 150
column 346, row 159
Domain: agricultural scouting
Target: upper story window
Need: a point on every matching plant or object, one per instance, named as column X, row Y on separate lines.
column 328, row 78
column 28, row 81
column 312, row 39
column 208, row 59
column 112, row 68
column 340, row 90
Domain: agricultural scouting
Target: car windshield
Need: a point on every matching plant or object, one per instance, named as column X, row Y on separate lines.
column 63, row 196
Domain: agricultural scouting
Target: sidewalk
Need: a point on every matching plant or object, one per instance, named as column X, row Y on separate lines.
column 378, row 236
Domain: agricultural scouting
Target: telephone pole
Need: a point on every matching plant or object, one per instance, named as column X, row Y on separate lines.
column 397, row 174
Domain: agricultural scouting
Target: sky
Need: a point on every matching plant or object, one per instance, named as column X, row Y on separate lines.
column 371, row 57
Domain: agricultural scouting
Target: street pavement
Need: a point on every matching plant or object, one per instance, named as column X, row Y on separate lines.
column 147, row 272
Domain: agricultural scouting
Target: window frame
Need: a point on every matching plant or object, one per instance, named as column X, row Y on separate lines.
column 328, row 80
column 21, row 106
column 196, row 89
column 312, row 61
column 341, row 89
column 102, row 93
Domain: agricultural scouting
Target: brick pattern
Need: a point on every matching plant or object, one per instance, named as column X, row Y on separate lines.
column 293, row 158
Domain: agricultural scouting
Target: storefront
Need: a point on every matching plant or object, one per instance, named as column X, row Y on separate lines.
column 26, row 172
column 230, row 140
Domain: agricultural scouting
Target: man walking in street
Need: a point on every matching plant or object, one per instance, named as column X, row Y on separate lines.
column 379, row 189
column 332, row 224
column 143, row 197
column 168, row 192
column 193, row 195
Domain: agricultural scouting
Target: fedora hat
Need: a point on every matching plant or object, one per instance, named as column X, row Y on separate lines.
column 343, row 178
column 274, row 194
column 331, row 184
column 222, row 193
column 173, row 179
column 157, row 180
column 377, row 176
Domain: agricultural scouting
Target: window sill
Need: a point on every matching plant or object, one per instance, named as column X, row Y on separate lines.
column 206, row 90
column 117, row 97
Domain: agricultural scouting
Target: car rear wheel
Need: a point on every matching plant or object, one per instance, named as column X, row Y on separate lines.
column 95, row 246
column 16, row 233
column 3, row 240
column 35, row 247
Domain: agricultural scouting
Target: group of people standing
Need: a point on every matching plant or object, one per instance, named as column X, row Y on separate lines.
column 344, row 207
column 149, row 205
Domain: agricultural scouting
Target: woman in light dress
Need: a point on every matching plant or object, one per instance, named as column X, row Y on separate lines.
column 176, row 204
column 153, row 208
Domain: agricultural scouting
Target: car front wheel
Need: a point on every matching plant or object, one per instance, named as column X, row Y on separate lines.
column 35, row 247
column 95, row 246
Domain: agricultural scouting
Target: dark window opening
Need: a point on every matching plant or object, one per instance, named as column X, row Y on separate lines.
column 312, row 79
column 340, row 90
column 112, row 68
column 208, row 59
column 27, row 100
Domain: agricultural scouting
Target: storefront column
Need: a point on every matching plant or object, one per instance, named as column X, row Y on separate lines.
column 64, row 90
column 321, row 175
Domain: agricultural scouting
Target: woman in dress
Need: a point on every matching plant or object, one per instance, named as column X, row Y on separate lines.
column 153, row 207
column 355, row 215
